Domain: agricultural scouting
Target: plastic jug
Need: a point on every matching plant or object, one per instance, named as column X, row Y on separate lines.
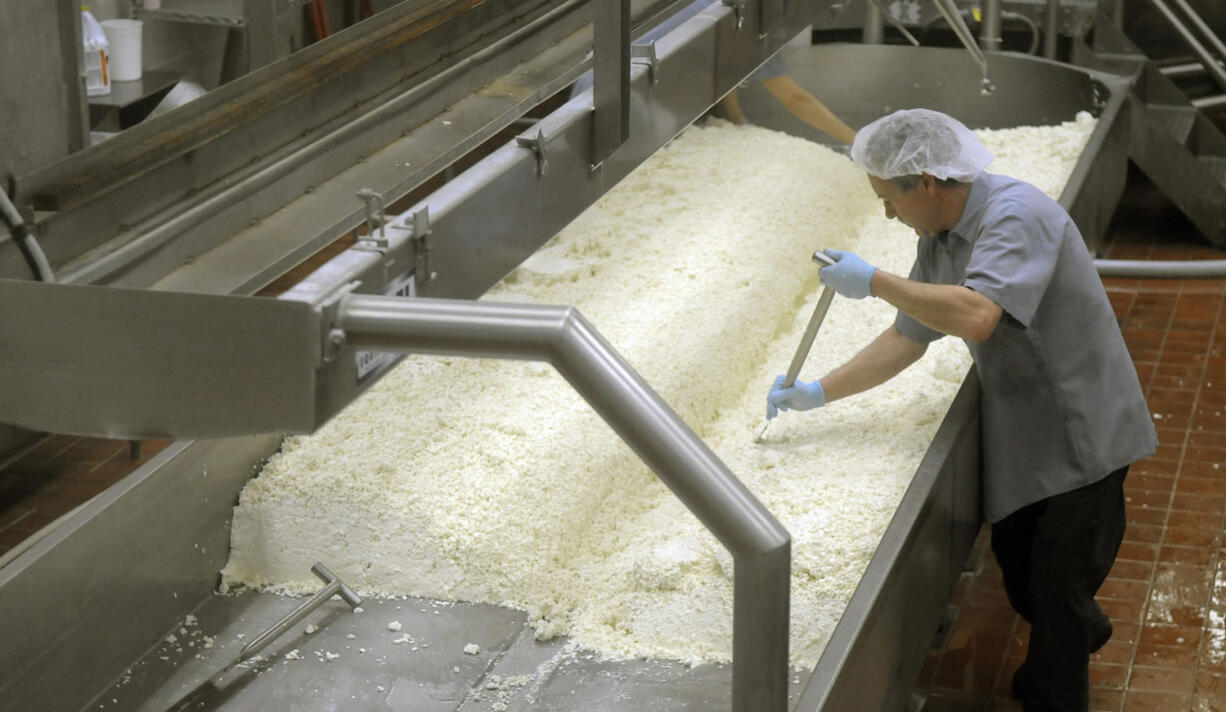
column 97, row 73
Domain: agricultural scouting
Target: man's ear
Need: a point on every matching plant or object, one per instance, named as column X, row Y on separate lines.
column 928, row 182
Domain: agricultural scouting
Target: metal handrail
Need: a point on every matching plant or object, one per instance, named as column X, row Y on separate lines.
column 760, row 546
column 1189, row 37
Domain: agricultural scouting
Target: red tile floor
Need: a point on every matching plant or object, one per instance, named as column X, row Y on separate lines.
column 1166, row 595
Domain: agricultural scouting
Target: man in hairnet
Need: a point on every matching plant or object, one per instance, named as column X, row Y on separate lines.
column 1003, row 267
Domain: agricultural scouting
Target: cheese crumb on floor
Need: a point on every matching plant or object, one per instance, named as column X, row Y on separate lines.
column 493, row 481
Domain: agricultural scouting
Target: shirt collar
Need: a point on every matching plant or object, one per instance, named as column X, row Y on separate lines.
column 973, row 210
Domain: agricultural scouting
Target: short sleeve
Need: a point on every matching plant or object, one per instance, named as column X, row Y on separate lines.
column 1013, row 260
column 906, row 324
column 772, row 68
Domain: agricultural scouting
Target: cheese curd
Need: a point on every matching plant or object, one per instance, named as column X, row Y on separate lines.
column 492, row 481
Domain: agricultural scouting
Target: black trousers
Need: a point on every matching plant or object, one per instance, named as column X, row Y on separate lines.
column 1054, row 555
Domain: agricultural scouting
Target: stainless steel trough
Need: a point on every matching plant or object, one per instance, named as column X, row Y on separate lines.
column 89, row 607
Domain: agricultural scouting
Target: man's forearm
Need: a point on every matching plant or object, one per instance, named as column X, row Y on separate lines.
column 881, row 360
column 948, row 308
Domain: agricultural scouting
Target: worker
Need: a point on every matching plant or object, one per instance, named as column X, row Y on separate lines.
column 1003, row 267
column 795, row 98
column 773, row 75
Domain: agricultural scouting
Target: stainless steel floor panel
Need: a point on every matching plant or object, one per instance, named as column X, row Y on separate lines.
column 351, row 661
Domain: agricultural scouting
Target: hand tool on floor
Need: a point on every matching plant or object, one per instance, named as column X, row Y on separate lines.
column 806, row 341
column 333, row 586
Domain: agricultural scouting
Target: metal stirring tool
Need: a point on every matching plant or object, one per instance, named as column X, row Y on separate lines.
column 806, row 341
column 208, row 691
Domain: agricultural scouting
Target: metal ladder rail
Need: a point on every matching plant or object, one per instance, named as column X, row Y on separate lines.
column 559, row 335
column 1196, row 38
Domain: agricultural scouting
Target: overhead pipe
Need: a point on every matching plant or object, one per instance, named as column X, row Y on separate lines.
column 1204, row 55
column 1051, row 29
column 760, row 546
column 1004, row 16
column 895, row 23
column 950, row 12
column 873, row 32
column 989, row 29
column 1200, row 27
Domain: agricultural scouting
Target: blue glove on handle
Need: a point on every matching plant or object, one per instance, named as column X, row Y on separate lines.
column 801, row 396
column 850, row 276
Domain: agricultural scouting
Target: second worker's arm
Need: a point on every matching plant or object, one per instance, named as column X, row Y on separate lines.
column 808, row 108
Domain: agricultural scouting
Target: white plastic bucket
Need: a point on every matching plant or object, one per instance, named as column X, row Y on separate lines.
column 123, row 36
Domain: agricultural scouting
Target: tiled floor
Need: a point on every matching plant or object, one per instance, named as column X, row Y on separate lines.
column 1166, row 595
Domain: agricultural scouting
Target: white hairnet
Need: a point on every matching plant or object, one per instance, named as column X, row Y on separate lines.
column 915, row 141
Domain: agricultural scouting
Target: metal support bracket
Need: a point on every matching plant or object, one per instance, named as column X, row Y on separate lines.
column 770, row 14
column 645, row 54
column 536, row 144
column 370, row 240
column 738, row 11
column 610, row 79
column 421, row 241
column 333, row 339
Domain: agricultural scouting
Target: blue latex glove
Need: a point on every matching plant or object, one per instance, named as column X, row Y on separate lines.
column 850, row 276
column 801, row 396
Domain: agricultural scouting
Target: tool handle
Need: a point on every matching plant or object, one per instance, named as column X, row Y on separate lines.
column 823, row 259
column 333, row 587
column 263, row 639
column 325, row 574
column 806, row 341
column 815, row 323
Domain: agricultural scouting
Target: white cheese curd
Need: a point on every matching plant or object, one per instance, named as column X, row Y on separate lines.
column 493, row 481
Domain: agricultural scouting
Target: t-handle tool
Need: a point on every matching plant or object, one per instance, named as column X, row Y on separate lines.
column 333, row 586
column 806, row 341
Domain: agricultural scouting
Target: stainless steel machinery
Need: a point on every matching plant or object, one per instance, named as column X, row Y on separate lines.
column 115, row 608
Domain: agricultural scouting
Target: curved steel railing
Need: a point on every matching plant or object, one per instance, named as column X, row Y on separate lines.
column 760, row 546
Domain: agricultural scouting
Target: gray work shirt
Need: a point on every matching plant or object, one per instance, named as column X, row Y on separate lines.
column 1061, row 403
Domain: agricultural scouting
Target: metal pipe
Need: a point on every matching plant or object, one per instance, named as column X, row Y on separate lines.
column 112, row 262
column 873, row 32
column 1207, row 35
column 1207, row 59
column 760, row 546
column 989, row 29
column 1210, row 103
column 1182, row 71
column 1051, row 29
column 894, row 22
column 1162, row 269
column 30, row 248
column 950, row 12
column 1029, row 23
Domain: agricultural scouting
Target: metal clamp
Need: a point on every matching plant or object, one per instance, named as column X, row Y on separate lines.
column 420, row 233
column 371, row 197
column 645, row 54
column 536, row 144
column 333, row 338
column 738, row 9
